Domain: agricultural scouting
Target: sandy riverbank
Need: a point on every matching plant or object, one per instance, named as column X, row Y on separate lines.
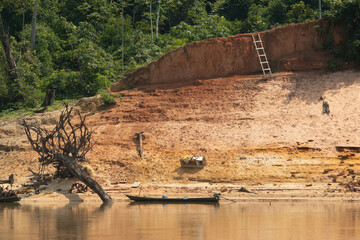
column 254, row 131
column 229, row 193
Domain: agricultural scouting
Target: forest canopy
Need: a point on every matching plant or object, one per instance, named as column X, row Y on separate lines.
column 79, row 47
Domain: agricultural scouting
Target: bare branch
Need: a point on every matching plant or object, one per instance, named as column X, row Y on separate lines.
column 66, row 138
column 64, row 146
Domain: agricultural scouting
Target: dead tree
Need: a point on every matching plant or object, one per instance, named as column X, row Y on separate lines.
column 49, row 98
column 65, row 148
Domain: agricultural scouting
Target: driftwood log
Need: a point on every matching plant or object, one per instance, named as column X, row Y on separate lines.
column 65, row 148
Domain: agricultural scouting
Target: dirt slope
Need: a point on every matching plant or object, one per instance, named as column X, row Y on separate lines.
column 253, row 130
column 295, row 47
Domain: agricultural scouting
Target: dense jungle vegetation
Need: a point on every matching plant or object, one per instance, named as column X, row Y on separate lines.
column 80, row 47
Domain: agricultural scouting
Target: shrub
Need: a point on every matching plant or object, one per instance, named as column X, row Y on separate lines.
column 345, row 14
column 65, row 82
column 106, row 98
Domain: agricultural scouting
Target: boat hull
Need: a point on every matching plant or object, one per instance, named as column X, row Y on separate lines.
column 174, row 200
column 10, row 199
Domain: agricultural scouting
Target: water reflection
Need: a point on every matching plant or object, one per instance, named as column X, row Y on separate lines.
column 251, row 220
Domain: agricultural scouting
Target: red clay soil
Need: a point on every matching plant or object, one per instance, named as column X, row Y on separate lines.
column 295, row 47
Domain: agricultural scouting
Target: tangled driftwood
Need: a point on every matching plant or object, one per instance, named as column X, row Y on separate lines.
column 78, row 188
column 65, row 147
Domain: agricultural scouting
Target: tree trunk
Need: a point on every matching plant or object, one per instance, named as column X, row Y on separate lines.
column 72, row 165
column 134, row 11
column 33, row 28
column 22, row 38
column 9, row 57
column 122, row 37
column 157, row 20
column 49, row 98
column 151, row 23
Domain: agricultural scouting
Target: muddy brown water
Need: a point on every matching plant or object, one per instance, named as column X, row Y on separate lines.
column 240, row 220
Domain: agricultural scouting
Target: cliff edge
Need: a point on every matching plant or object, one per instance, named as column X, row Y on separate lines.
column 295, row 47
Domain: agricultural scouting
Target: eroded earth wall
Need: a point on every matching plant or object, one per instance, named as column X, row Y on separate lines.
column 294, row 47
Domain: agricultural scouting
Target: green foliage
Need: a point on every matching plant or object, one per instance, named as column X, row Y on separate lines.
column 346, row 14
column 208, row 26
column 91, row 61
column 4, row 80
column 106, row 98
column 19, row 113
column 10, row 113
column 47, row 48
column 349, row 16
column 256, row 21
column 335, row 64
column 235, row 9
column 11, row 13
column 26, row 89
column 65, row 82
column 79, row 49
column 276, row 12
column 300, row 12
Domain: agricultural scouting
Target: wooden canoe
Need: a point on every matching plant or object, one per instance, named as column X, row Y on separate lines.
column 213, row 199
column 10, row 199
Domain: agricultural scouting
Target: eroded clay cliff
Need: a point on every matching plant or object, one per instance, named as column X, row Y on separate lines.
column 295, row 47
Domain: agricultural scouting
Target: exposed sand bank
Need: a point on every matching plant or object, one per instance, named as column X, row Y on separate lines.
column 255, row 132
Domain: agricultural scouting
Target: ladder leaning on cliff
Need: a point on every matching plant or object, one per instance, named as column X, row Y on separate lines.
column 265, row 66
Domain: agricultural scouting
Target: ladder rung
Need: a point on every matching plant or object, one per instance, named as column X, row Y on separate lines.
column 260, row 54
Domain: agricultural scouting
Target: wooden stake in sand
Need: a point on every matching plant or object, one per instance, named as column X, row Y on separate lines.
column 10, row 181
column 140, row 136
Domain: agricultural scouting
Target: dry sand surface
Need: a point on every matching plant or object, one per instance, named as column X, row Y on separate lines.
column 267, row 134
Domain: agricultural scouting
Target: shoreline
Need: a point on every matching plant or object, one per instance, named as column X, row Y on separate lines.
column 260, row 193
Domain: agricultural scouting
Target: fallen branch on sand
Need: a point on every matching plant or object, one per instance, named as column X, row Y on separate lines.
column 65, row 148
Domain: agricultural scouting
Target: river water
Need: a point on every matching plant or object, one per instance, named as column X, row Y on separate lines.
column 241, row 220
